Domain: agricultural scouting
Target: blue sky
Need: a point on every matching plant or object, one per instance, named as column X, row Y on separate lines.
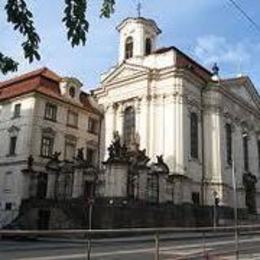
column 207, row 30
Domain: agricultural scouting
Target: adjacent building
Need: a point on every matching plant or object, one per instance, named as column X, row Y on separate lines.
column 41, row 113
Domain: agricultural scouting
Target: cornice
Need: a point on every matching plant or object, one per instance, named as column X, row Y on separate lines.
column 236, row 99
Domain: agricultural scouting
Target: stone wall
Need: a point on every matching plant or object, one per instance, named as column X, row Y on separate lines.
column 74, row 214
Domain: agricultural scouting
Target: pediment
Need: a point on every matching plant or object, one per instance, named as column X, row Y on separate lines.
column 245, row 89
column 123, row 72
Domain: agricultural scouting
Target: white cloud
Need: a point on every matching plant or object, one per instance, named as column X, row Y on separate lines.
column 212, row 48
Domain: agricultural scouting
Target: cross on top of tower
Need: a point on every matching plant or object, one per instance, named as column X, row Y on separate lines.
column 139, row 8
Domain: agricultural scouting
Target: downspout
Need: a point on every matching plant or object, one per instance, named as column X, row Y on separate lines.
column 99, row 140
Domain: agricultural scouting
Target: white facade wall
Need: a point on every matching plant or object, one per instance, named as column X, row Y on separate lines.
column 163, row 98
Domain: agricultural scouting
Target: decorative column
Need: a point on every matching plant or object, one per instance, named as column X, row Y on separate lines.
column 178, row 134
column 108, row 126
column 119, row 118
column 144, row 125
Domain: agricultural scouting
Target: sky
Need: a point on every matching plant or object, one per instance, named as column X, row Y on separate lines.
column 207, row 30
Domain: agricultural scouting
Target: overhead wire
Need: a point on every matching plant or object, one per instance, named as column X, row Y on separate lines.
column 245, row 14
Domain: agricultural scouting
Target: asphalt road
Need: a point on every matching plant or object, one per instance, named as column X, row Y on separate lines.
column 132, row 249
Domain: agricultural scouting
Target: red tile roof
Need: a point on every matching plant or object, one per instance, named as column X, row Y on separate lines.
column 184, row 61
column 42, row 81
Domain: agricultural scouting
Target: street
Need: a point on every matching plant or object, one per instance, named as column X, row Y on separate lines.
column 132, row 248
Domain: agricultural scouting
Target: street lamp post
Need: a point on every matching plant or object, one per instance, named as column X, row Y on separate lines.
column 235, row 207
column 216, row 201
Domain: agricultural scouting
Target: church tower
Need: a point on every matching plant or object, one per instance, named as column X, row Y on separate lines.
column 137, row 37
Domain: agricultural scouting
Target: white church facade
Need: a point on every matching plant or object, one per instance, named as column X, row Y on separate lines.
column 163, row 101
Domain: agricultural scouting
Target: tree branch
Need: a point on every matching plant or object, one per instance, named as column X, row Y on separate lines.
column 7, row 64
column 108, row 8
column 22, row 18
column 75, row 21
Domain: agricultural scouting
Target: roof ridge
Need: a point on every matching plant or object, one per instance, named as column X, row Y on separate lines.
column 30, row 74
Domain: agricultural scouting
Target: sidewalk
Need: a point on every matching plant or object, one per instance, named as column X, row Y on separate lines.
column 144, row 238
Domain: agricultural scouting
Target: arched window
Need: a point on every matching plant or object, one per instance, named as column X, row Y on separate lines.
column 148, row 46
column 129, row 124
column 194, row 135
column 229, row 143
column 129, row 47
column 246, row 154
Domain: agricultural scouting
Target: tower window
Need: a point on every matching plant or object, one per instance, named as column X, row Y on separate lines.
column 129, row 46
column 194, row 135
column 72, row 92
column 148, row 46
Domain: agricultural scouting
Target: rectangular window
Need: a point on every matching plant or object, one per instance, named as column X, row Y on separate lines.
column 8, row 206
column 8, row 182
column 47, row 146
column 245, row 148
column 12, row 145
column 91, row 156
column 92, row 125
column 70, row 150
column 72, row 119
column 17, row 110
column 229, row 144
column 50, row 112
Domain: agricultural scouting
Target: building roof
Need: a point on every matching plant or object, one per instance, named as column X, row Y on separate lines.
column 184, row 61
column 42, row 81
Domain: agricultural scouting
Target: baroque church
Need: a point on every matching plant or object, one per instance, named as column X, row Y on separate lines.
column 165, row 103
column 160, row 131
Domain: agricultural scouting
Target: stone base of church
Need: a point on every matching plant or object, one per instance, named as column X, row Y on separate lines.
column 49, row 214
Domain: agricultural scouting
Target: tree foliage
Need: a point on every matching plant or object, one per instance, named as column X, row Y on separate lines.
column 19, row 15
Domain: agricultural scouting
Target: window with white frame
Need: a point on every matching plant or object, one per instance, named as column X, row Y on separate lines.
column 17, row 110
column 92, row 125
column 70, row 148
column 72, row 118
column 8, row 182
column 50, row 112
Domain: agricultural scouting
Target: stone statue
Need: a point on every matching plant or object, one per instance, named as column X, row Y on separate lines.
column 56, row 156
column 117, row 151
column 161, row 163
column 117, row 144
column 142, row 158
column 80, row 154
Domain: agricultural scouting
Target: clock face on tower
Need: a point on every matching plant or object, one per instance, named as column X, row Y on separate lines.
column 72, row 92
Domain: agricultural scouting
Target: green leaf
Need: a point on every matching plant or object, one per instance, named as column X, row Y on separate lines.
column 7, row 64
column 108, row 8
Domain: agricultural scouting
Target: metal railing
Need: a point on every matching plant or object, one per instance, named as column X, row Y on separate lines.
column 155, row 232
